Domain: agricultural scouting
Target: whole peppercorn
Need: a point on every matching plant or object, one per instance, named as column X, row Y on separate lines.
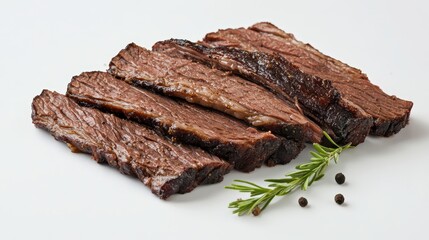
column 340, row 178
column 302, row 201
column 339, row 198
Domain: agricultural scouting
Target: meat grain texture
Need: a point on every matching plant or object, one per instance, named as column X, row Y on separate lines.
column 212, row 88
column 166, row 168
column 315, row 97
column 354, row 90
column 245, row 147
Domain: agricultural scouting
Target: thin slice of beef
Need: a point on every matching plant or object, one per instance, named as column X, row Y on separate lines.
column 212, row 88
column 244, row 147
column 390, row 113
column 166, row 168
column 319, row 100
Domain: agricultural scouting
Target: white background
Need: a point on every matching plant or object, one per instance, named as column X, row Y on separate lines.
column 47, row 192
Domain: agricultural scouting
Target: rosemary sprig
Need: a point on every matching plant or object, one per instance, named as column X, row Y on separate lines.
column 303, row 177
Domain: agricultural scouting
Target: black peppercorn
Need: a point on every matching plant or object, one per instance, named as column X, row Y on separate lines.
column 339, row 198
column 340, row 178
column 302, row 201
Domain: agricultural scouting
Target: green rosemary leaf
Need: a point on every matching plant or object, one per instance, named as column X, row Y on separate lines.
column 327, row 149
column 305, row 185
column 336, row 157
column 249, row 183
column 297, row 174
column 330, row 139
column 308, row 165
column 319, row 177
column 319, row 148
column 316, row 155
column 280, row 180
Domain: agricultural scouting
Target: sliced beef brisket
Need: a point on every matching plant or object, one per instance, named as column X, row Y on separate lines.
column 244, row 147
column 166, row 168
column 319, row 100
column 212, row 88
column 356, row 92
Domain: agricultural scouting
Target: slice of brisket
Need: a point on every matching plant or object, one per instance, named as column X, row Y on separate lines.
column 355, row 91
column 212, row 88
column 319, row 100
column 166, row 168
column 244, row 147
